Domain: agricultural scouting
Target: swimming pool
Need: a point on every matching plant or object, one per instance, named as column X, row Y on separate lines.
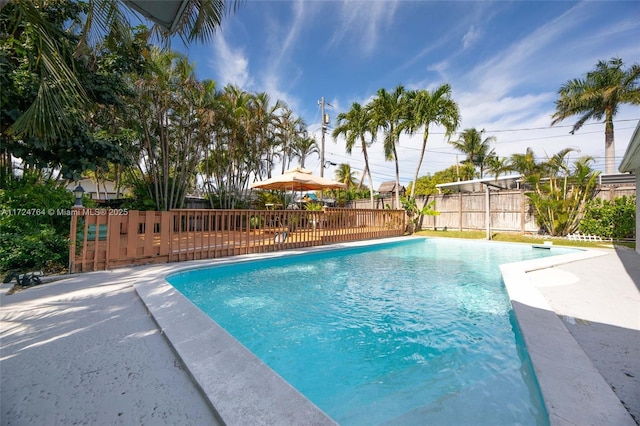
column 404, row 333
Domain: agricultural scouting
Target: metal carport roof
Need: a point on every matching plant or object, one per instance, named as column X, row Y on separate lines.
column 479, row 185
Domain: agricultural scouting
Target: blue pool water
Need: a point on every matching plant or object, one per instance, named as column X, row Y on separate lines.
column 417, row 332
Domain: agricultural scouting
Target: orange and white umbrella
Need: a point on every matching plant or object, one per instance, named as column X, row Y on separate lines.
column 298, row 179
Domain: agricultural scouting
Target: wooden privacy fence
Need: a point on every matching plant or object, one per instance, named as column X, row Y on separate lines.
column 509, row 210
column 108, row 238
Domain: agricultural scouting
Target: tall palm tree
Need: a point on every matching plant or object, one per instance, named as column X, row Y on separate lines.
column 426, row 108
column 498, row 166
column 290, row 128
column 598, row 96
column 266, row 121
column 525, row 164
column 345, row 175
column 304, row 146
column 169, row 109
column 474, row 147
column 355, row 125
column 388, row 110
column 60, row 91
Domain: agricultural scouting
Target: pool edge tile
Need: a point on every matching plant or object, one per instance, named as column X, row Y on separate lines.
column 573, row 390
column 256, row 393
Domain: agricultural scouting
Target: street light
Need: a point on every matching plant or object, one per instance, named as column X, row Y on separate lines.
column 327, row 164
column 78, row 192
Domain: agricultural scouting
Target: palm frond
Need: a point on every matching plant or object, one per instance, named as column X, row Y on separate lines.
column 60, row 93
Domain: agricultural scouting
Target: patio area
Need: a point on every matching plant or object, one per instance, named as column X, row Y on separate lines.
column 87, row 349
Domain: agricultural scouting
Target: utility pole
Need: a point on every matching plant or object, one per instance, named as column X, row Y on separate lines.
column 323, row 127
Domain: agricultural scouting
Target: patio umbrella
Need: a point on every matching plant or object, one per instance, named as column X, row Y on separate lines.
column 298, row 179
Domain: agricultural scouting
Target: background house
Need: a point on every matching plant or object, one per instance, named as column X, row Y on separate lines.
column 631, row 164
column 102, row 190
column 387, row 194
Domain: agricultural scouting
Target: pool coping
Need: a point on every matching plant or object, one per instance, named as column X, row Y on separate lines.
column 573, row 390
column 241, row 388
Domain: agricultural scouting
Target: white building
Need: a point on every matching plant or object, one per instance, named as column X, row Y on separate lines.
column 103, row 190
column 631, row 164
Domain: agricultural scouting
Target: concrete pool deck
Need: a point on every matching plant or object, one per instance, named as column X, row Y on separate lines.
column 121, row 347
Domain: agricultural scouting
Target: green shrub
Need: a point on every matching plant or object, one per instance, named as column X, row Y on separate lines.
column 615, row 219
column 34, row 231
column 42, row 200
column 256, row 222
column 43, row 249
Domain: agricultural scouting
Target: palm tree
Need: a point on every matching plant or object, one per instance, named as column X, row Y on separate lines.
column 497, row 166
column 599, row 96
column 354, row 125
column 170, row 110
column 290, row 128
column 266, row 121
column 387, row 111
column 426, row 108
column 474, row 147
column 60, row 92
column 345, row 175
column 304, row 146
column 525, row 164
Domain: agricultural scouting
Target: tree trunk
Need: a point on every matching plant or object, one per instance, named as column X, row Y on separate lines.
column 424, row 147
column 609, row 147
column 395, row 157
column 366, row 166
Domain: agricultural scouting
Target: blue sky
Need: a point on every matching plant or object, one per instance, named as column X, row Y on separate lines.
column 504, row 60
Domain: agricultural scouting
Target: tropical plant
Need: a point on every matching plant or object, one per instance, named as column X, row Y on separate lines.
column 59, row 93
column 33, row 88
column 559, row 193
column 497, row 166
column 476, row 149
column 525, row 164
column 355, row 125
column 426, row 185
column 599, row 95
column 608, row 219
column 413, row 213
column 345, row 175
column 34, row 229
column 290, row 128
column 265, row 123
column 172, row 114
column 426, row 108
column 387, row 111
column 314, row 206
column 303, row 147
column 229, row 157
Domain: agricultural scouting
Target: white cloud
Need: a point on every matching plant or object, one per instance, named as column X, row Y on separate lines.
column 528, row 59
column 470, row 37
column 363, row 21
column 271, row 84
column 231, row 65
column 506, row 110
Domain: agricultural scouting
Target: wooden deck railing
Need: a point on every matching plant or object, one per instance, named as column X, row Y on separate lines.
column 104, row 238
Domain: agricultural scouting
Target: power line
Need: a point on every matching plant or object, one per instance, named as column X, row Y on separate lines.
column 524, row 129
column 556, row 127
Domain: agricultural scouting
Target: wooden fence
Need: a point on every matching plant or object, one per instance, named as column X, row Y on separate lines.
column 510, row 210
column 108, row 238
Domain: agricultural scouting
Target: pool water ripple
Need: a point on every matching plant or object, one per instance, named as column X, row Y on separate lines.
column 403, row 333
